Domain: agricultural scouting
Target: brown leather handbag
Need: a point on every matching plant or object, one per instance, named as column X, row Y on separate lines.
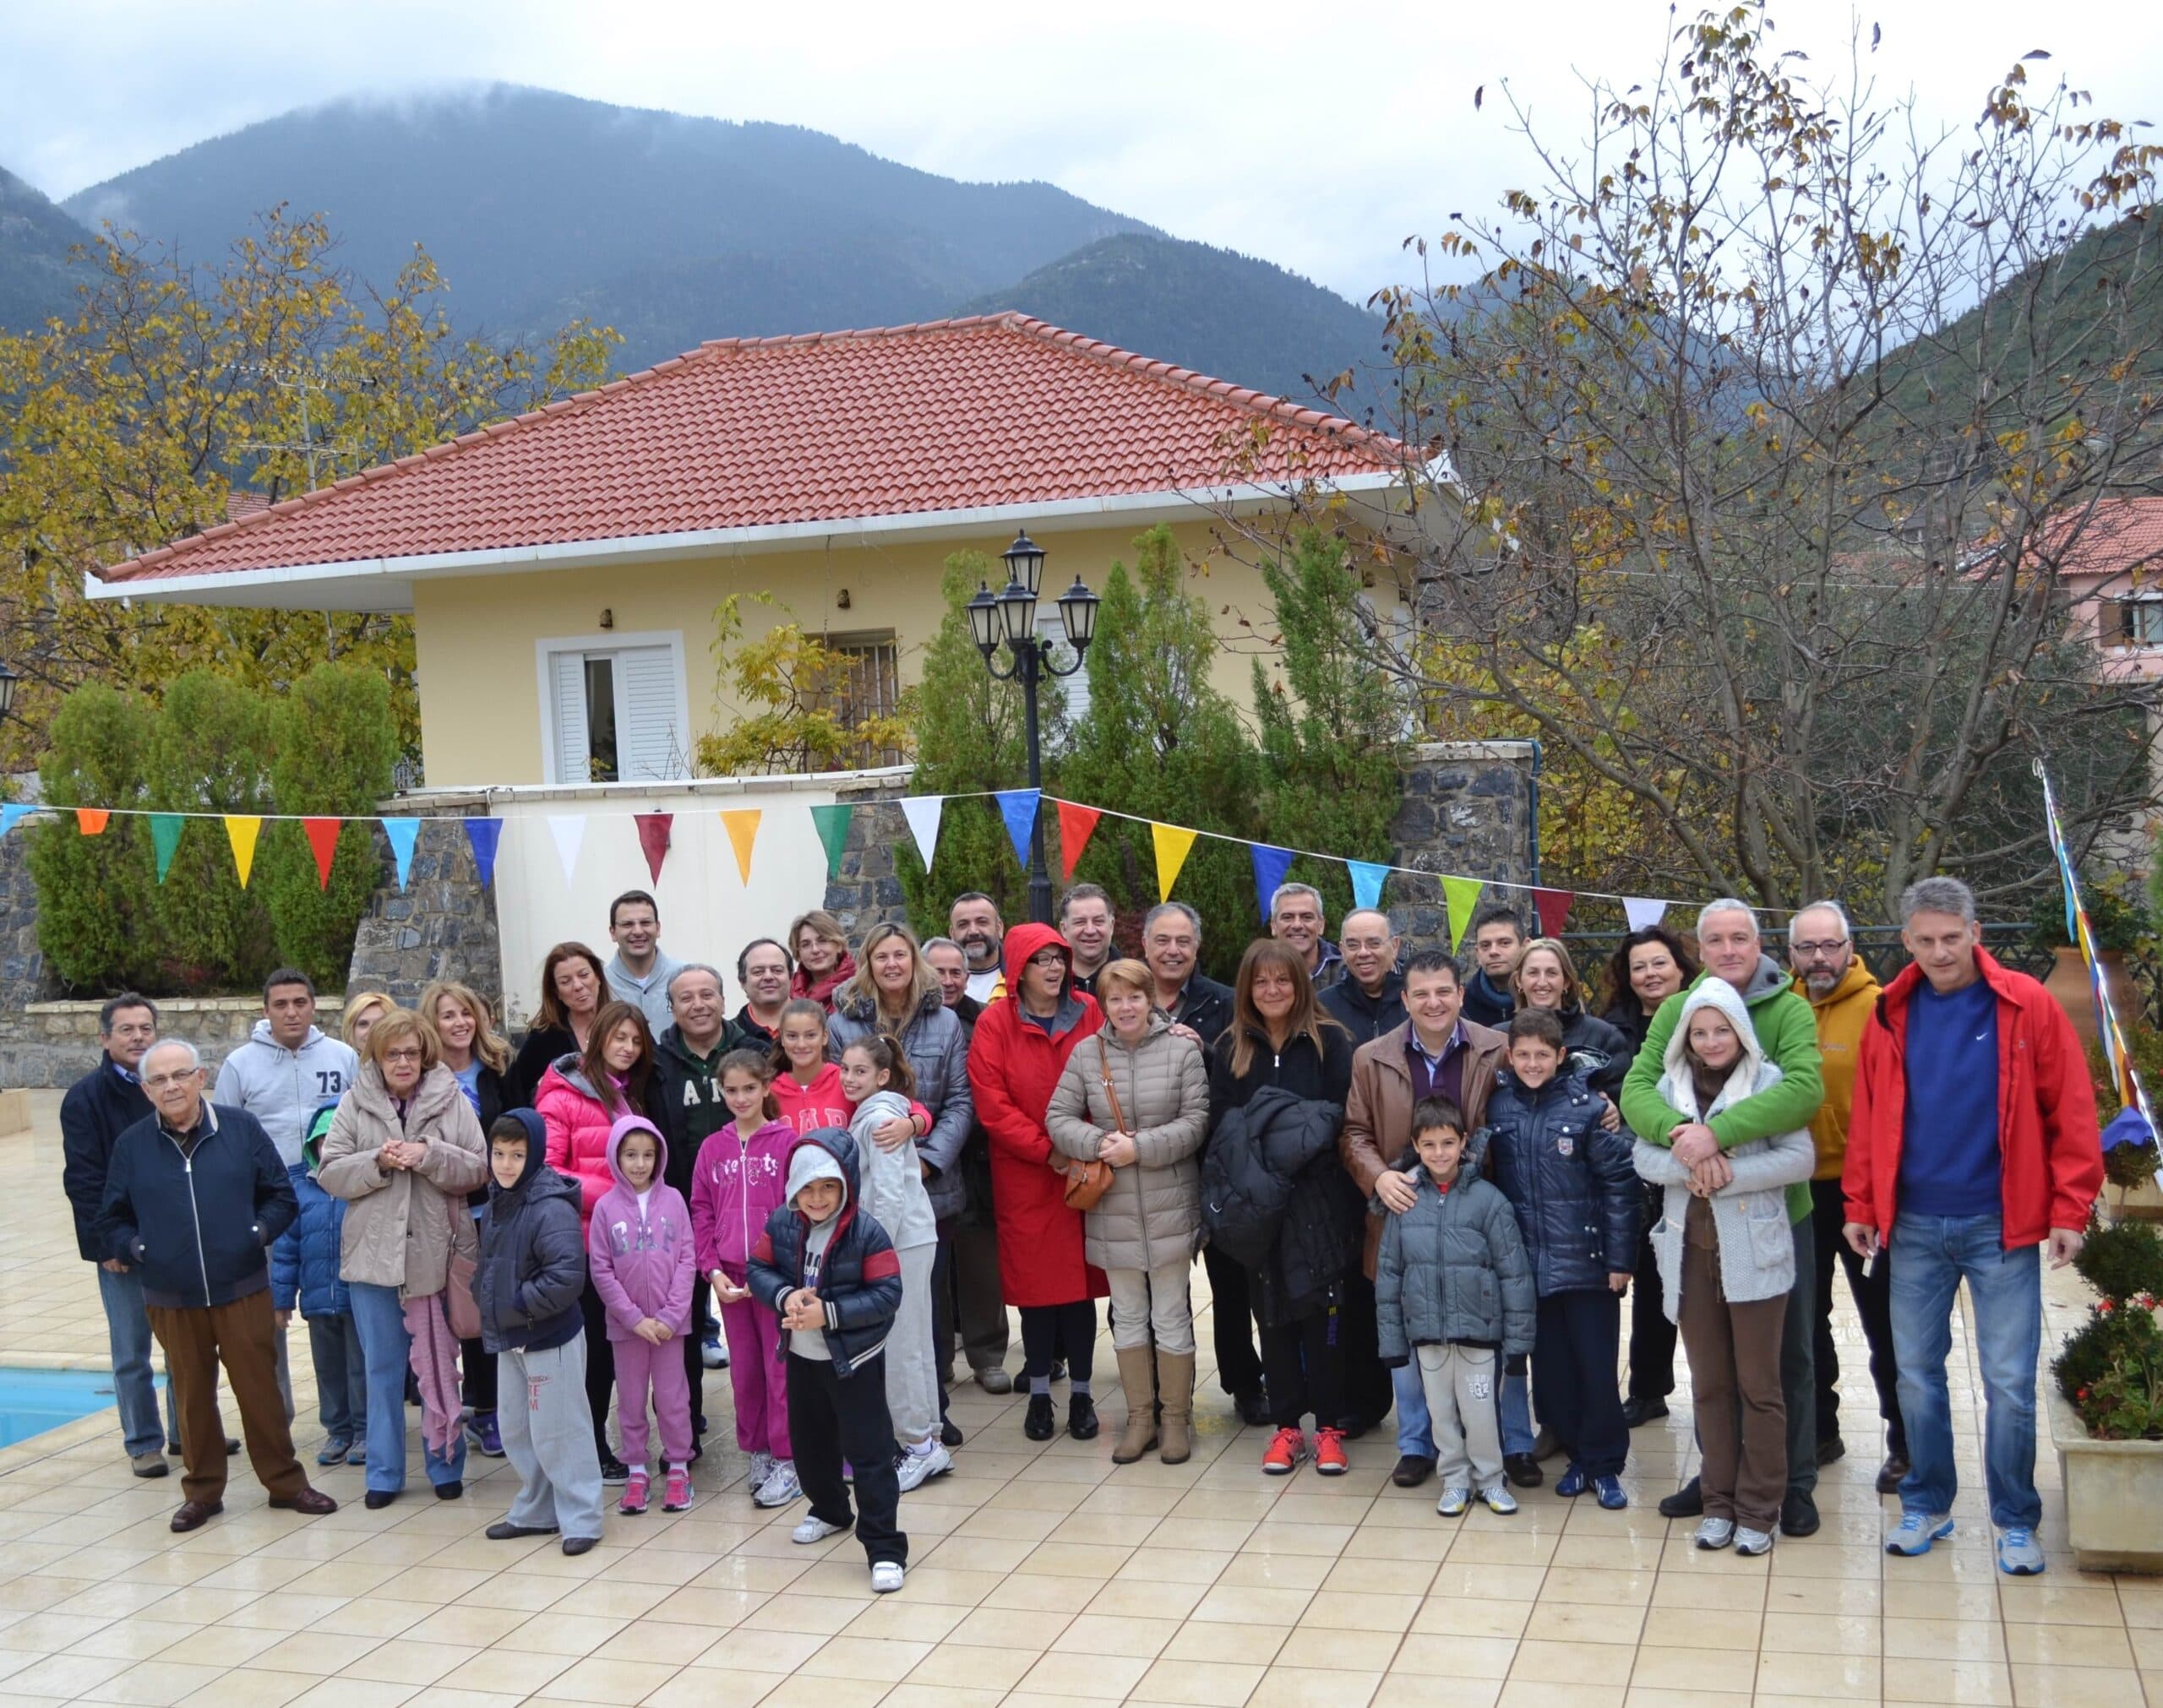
column 1086, row 1183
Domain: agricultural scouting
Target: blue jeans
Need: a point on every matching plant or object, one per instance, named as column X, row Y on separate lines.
column 1931, row 1256
column 1415, row 1428
column 1517, row 1436
column 127, row 1331
column 341, row 1393
column 387, row 1349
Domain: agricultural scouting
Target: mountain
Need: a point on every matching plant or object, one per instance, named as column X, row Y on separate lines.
column 36, row 279
column 1217, row 313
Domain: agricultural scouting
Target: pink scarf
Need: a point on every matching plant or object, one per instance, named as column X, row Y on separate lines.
column 435, row 1366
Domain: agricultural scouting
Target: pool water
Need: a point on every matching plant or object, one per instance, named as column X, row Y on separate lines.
column 33, row 1401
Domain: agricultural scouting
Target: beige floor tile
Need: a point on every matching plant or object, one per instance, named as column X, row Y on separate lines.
column 597, row 1680
column 1970, row 1684
column 966, row 1666
column 1727, row 1670
column 912, row 1695
column 1237, row 1645
column 1104, row 1678
column 1296, row 1687
column 1819, row 1633
column 155, row 1684
column 1527, row 1693
column 1701, row 1628
column 704, row 1686
column 1544, row 1662
column 1237, row 1605
column 313, row 1652
column 244, row 1689
column 2076, row 1687
column 2067, row 1646
column 761, row 1651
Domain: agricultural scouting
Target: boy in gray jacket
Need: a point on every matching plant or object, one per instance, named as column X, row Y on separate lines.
column 1454, row 1294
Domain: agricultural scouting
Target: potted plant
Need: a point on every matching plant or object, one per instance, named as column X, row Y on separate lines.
column 2106, row 1411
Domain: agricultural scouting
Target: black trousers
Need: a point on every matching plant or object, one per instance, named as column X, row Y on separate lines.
column 1368, row 1393
column 478, row 1365
column 1573, row 1354
column 600, row 1365
column 1231, row 1317
column 1054, row 1330
column 835, row 1417
column 1873, row 1297
column 1652, row 1336
column 1304, row 1363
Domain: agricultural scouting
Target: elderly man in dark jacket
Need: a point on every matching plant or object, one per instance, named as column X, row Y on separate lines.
column 193, row 1200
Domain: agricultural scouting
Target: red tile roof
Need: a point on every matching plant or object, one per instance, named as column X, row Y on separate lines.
column 2117, row 537
column 749, row 433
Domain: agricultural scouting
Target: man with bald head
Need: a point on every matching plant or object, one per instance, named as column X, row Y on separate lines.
column 1369, row 1000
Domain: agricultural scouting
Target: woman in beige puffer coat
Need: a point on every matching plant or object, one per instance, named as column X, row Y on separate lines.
column 1145, row 1230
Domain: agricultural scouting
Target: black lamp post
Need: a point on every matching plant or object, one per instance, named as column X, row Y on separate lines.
column 8, row 683
column 1012, row 616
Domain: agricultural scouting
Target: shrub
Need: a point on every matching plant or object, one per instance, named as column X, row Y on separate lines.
column 94, row 920
column 2123, row 1260
column 2111, row 1371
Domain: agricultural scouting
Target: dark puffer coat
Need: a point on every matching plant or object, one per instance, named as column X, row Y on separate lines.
column 1573, row 1183
column 532, row 1266
column 860, row 1280
column 1452, row 1271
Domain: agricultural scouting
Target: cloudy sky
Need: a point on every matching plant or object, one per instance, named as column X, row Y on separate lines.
column 1319, row 137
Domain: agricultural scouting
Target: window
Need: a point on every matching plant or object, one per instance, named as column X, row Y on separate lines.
column 2133, row 621
column 613, row 710
column 1053, row 627
column 873, row 688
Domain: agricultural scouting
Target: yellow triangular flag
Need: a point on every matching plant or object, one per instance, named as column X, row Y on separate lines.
column 743, row 826
column 1173, row 845
column 241, row 830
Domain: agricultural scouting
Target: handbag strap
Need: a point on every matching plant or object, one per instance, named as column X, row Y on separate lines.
column 1104, row 1072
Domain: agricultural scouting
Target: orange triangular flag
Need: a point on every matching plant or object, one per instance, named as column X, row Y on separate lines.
column 322, row 839
column 91, row 820
column 743, row 826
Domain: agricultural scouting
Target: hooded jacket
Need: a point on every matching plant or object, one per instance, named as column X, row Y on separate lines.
column 1787, row 1034
column 735, row 1184
column 1842, row 1014
column 937, row 1044
column 893, row 1180
column 1152, row 1213
column 533, row 1267
column 642, row 1259
column 860, row 1279
column 1750, row 1215
column 579, row 1124
column 284, row 1088
column 1569, row 1179
column 1452, row 1271
column 1015, row 1066
column 98, row 1108
column 401, row 1223
column 304, row 1262
column 198, row 1225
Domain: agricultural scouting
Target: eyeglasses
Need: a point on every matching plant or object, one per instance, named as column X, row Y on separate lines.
column 1049, row 958
column 412, row 1055
column 1812, row 951
column 158, row 1082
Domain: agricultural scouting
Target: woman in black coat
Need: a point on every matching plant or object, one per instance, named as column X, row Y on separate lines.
column 573, row 984
column 478, row 1056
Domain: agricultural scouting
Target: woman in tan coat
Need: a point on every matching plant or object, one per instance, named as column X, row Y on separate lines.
column 1149, row 1126
column 404, row 1150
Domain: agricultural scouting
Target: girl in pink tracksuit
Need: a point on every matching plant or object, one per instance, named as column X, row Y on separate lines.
column 642, row 1257
column 738, row 1182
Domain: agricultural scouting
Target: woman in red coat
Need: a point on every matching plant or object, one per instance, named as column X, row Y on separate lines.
column 1016, row 1059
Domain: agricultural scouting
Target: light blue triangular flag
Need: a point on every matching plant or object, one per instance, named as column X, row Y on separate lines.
column 10, row 813
column 403, row 834
column 1367, row 880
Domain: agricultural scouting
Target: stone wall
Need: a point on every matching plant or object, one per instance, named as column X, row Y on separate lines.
column 1468, row 810
column 442, row 925
column 56, row 1043
column 866, row 891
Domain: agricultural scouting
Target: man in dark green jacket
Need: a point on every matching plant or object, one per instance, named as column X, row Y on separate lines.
column 1787, row 1032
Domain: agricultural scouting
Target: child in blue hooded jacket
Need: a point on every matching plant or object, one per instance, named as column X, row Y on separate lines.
column 304, row 1273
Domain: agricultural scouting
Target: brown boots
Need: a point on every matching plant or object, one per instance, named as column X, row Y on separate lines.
column 1175, row 1389
column 1172, row 1393
column 1140, row 1435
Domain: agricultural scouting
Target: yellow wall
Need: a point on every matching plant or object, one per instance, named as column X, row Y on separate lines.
column 475, row 637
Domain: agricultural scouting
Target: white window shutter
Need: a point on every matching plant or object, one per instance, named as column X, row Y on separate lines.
column 649, row 746
column 570, row 759
column 1076, row 686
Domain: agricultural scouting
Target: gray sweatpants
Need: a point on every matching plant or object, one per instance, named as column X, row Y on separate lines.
column 548, row 1438
column 912, row 1378
column 1464, row 1404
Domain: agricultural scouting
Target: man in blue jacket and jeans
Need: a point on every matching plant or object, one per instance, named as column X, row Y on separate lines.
column 193, row 1200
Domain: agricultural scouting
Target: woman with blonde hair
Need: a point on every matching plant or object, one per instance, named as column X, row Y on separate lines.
column 362, row 1010
column 823, row 962
column 1546, row 978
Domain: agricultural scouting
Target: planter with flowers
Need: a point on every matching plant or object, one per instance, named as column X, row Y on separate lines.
column 2107, row 1412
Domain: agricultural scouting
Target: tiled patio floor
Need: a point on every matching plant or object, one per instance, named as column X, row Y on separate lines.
column 1038, row 1575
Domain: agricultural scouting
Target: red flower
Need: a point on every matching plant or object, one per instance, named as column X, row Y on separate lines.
column 2082, row 1394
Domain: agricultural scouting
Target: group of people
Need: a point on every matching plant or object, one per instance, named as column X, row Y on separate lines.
column 1415, row 1186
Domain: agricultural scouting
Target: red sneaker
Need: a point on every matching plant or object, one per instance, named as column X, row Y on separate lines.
column 634, row 1494
column 678, row 1496
column 1287, row 1448
column 1329, row 1453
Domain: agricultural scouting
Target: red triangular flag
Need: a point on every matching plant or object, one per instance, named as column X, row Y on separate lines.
column 1553, row 907
column 1076, row 824
column 323, row 838
column 653, row 838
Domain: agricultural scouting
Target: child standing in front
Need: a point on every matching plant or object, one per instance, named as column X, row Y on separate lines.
column 1726, row 1263
column 828, row 1270
column 644, row 1261
column 736, row 1185
column 1454, row 1294
column 305, row 1272
column 876, row 1077
column 1575, row 1191
column 531, row 1273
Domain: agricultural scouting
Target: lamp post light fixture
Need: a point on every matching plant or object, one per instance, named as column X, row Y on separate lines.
column 1011, row 615
column 9, row 682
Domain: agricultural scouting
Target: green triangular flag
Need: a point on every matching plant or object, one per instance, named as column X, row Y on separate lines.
column 833, row 831
column 1460, row 895
column 165, row 837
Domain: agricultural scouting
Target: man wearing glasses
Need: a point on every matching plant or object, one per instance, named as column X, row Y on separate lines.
column 1842, row 993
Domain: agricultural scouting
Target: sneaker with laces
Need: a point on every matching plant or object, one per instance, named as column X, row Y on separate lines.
column 762, row 1467
column 1570, row 1484
column 713, row 1353
column 1329, row 1453
column 815, row 1530
column 2018, row 1554
column 781, row 1485
column 886, row 1577
column 614, row 1470
column 335, row 1449
column 484, row 1435
column 1286, row 1449
column 914, row 1466
column 1454, row 1502
column 1916, row 1531
column 1750, row 1544
column 636, row 1492
column 1499, row 1499
column 1612, row 1495
column 1714, row 1533
column 677, row 1496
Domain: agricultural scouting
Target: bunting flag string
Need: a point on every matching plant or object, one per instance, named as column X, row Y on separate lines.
column 402, row 833
column 1367, row 881
column 1173, row 846
column 833, row 833
column 653, row 839
column 164, row 839
column 483, row 836
column 1461, row 896
column 923, row 813
column 322, row 835
column 1018, row 807
column 568, row 829
column 1553, row 907
column 1270, row 865
column 1643, row 910
column 242, row 829
column 742, row 824
column 1077, row 825
column 90, row 821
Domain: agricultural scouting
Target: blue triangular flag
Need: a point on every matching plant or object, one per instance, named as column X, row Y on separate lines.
column 1270, row 865
column 10, row 812
column 403, row 834
column 1367, row 880
column 483, row 835
column 1018, row 807
column 2128, row 1127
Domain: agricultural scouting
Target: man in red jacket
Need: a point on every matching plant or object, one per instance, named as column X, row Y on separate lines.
column 1972, row 1141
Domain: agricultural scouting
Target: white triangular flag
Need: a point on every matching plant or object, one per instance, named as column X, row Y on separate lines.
column 924, row 812
column 569, row 831
column 1642, row 911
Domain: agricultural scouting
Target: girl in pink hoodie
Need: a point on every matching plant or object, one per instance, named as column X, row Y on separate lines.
column 807, row 1087
column 735, row 1184
column 642, row 1257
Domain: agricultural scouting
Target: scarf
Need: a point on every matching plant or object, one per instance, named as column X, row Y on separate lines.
column 822, row 989
column 434, row 1358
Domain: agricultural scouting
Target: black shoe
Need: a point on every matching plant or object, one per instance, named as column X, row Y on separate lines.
column 949, row 1435
column 1687, row 1502
column 1081, row 1417
column 1798, row 1514
column 1252, row 1405
column 1414, row 1469
column 1059, row 1369
column 1891, row 1473
column 1637, row 1412
column 378, row 1499
column 1353, row 1427
column 232, row 1447
column 1523, row 1470
column 577, row 1545
column 1036, row 1422
column 449, row 1491
column 508, row 1532
column 1831, row 1450
column 614, row 1470
column 1546, row 1445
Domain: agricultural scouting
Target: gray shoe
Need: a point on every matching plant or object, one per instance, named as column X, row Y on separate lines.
column 1454, row 1502
column 1750, row 1544
column 151, row 1464
column 1499, row 1499
column 994, row 1380
column 1715, row 1533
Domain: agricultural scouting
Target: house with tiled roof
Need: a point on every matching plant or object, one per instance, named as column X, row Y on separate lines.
column 563, row 569
column 2110, row 560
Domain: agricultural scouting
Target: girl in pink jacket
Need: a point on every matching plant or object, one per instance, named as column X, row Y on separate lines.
column 737, row 1184
column 642, row 1258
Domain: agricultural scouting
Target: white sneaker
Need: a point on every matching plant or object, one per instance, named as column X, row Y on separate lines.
column 1750, row 1544
column 1499, row 1499
column 781, row 1485
column 920, row 1464
column 815, row 1530
column 1715, row 1533
column 713, row 1353
column 762, row 1467
column 886, row 1578
column 1454, row 1502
